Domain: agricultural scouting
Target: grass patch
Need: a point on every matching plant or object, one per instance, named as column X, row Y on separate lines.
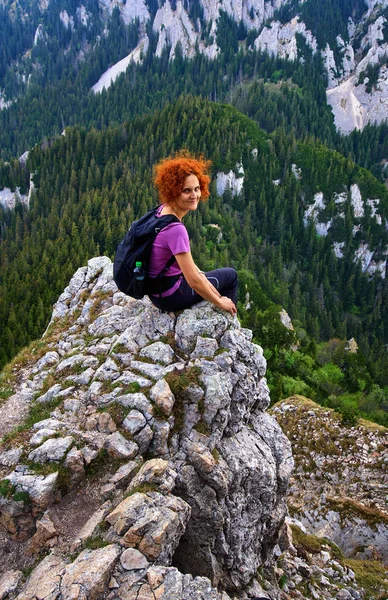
column 372, row 576
column 159, row 413
column 305, row 541
column 116, row 411
column 179, row 381
column 94, row 543
column 202, row 428
column 22, row 497
column 38, row 412
column 7, row 489
column 143, row 488
column 133, row 388
column 215, row 455
column 47, row 384
column 102, row 464
column 5, row 392
column 220, row 351
column 120, row 349
column 347, row 507
column 98, row 301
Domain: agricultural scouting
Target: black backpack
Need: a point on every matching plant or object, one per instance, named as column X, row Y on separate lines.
column 136, row 247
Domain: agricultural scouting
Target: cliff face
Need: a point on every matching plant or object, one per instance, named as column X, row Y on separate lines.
column 339, row 489
column 146, row 451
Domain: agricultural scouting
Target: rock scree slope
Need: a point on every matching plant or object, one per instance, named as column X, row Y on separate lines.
column 157, row 422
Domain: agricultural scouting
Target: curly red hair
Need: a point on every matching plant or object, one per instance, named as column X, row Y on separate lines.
column 171, row 173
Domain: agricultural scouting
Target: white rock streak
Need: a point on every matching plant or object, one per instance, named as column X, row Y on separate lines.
column 175, row 26
column 230, row 181
column 9, row 199
column 113, row 72
column 356, row 201
column 280, row 39
column 313, row 212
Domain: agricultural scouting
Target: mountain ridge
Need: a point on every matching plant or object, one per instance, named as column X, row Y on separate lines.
column 91, row 350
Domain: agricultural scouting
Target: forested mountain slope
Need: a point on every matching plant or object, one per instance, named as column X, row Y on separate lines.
column 90, row 185
column 52, row 54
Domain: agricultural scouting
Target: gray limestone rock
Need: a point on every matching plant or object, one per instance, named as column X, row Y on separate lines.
column 83, row 378
column 118, row 446
column 9, row 581
column 70, row 363
column 200, row 319
column 205, row 347
column 132, row 559
column 75, row 463
column 158, row 352
column 152, row 523
column 143, row 439
column 137, row 401
column 157, row 473
column 134, row 422
column 72, row 405
column 124, row 473
column 127, row 378
column 163, row 397
column 89, row 529
column 87, row 577
column 48, row 424
column 49, row 359
column 108, row 371
column 50, row 394
column 153, row 371
column 45, row 579
column 53, row 450
column 41, row 435
column 226, row 460
column 40, row 488
column 159, row 445
column 10, row 458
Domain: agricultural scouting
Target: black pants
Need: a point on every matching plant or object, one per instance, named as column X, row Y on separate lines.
column 224, row 280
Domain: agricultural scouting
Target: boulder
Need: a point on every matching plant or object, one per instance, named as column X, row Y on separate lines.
column 45, row 579
column 152, row 523
column 87, row 577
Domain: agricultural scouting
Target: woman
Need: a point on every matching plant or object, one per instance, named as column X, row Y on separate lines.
column 181, row 182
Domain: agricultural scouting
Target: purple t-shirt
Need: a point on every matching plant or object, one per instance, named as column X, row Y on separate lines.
column 172, row 240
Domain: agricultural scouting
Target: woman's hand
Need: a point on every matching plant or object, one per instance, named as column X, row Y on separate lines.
column 227, row 304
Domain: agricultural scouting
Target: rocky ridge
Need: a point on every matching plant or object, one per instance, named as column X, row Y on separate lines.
column 339, row 488
column 144, row 460
column 147, row 466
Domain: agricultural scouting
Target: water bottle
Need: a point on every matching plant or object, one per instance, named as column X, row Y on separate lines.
column 138, row 284
column 139, row 271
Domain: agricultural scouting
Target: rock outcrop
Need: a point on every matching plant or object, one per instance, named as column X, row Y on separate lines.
column 339, row 489
column 161, row 418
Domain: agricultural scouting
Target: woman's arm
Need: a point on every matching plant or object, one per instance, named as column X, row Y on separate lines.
column 201, row 285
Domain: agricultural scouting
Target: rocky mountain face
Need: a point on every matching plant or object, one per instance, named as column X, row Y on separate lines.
column 139, row 461
column 356, row 63
column 354, row 55
column 143, row 459
column 339, row 488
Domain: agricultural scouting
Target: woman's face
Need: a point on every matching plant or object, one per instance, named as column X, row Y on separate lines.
column 190, row 195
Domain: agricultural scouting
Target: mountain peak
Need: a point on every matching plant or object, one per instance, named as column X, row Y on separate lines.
column 167, row 414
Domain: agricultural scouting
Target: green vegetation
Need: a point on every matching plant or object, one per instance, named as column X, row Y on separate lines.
column 309, row 543
column 372, row 576
column 116, row 411
column 37, row 412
